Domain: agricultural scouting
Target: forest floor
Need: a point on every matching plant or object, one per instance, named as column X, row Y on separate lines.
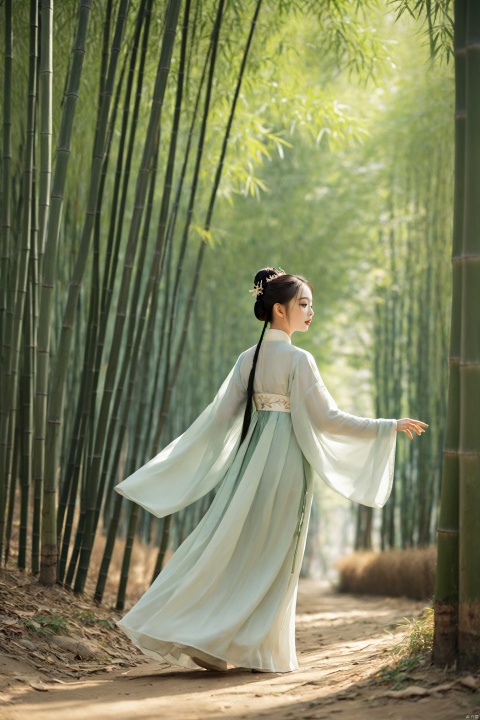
column 62, row 658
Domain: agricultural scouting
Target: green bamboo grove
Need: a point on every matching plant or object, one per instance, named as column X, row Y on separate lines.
column 117, row 141
column 137, row 138
column 411, row 315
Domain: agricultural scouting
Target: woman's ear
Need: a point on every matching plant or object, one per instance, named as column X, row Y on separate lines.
column 278, row 311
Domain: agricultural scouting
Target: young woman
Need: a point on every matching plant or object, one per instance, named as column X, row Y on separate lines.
column 228, row 594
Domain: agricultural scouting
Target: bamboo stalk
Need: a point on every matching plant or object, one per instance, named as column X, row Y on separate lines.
column 75, row 556
column 423, row 373
column 12, row 490
column 108, row 550
column 5, row 247
column 437, row 325
column 162, row 550
column 445, row 646
column 405, row 473
column 28, row 387
column 26, row 396
column 48, row 274
column 107, row 24
column 23, row 260
column 127, row 556
column 45, row 92
column 469, row 445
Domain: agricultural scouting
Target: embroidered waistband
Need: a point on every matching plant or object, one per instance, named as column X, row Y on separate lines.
column 271, row 402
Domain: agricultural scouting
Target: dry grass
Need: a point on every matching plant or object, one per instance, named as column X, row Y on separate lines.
column 418, row 638
column 396, row 573
column 412, row 652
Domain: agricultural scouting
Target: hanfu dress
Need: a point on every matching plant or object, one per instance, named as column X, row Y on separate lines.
column 228, row 593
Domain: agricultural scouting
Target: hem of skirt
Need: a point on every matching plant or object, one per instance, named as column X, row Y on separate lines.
column 190, row 665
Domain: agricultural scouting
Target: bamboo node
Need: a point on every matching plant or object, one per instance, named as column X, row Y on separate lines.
column 447, row 531
column 471, row 257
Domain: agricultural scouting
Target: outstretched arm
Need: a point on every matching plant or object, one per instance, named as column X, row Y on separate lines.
column 353, row 455
column 406, row 425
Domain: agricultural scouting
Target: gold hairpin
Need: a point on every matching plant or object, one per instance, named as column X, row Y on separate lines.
column 257, row 290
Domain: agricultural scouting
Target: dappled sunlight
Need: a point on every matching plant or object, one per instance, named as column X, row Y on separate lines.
column 340, row 617
column 340, row 654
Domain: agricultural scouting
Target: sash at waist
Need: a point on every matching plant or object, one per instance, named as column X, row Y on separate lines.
column 271, row 402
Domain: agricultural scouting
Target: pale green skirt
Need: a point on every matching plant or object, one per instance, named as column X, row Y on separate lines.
column 228, row 593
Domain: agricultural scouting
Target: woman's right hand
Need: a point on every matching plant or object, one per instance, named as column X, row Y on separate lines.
column 406, row 425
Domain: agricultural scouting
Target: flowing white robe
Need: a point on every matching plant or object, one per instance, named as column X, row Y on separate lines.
column 228, row 593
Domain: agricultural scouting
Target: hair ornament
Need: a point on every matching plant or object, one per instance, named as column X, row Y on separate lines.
column 259, row 287
column 257, row 290
column 277, row 274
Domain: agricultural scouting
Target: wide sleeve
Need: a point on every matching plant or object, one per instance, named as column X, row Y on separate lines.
column 190, row 466
column 355, row 456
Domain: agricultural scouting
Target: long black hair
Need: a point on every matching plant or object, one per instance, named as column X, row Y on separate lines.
column 271, row 286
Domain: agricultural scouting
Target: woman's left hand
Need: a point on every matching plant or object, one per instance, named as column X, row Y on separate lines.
column 406, row 425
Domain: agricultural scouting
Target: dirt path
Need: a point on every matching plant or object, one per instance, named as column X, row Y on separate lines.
column 342, row 641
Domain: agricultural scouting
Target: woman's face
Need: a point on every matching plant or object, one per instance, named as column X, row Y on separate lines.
column 298, row 315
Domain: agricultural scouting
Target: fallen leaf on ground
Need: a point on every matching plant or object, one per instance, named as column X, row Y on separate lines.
column 469, row 682
column 38, row 686
column 79, row 648
column 417, row 691
column 412, row 691
column 23, row 642
column 441, row 688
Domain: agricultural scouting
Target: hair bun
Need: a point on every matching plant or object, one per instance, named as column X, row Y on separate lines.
column 265, row 275
column 259, row 309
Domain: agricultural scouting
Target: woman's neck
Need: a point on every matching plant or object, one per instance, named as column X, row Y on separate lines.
column 281, row 326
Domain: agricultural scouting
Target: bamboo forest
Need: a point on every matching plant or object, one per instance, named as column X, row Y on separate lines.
column 155, row 155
